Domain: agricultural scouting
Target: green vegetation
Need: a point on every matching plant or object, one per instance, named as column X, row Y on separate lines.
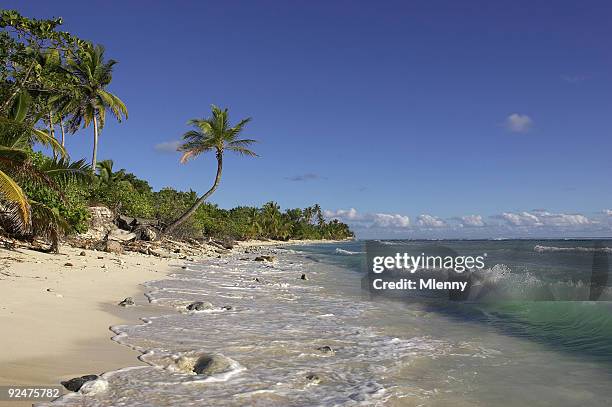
column 50, row 79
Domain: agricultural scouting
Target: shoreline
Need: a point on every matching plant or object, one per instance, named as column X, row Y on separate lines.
column 59, row 315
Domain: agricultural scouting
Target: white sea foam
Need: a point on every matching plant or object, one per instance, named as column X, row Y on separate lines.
column 346, row 252
column 275, row 339
column 542, row 249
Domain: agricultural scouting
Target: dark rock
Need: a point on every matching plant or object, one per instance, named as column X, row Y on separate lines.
column 82, row 254
column 227, row 308
column 243, row 258
column 50, row 290
column 304, row 277
column 124, row 222
column 146, row 233
column 76, row 383
column 225, row 244
column 127, row 302
column 313, row 378
column 211, row 364
column 264, row 258
column 184, row 267
column 325, row 349
column 68, row 264
column 199, row 306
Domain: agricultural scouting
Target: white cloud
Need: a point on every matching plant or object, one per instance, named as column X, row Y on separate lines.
column 536, row 222
column 167, row 146
column 429, row 221
column 563, row 219
column 518, row 123
column 545, row 218
column 391, row 220
column 521, row 219
column 382, row 220
column 472, row 221
column 346, row 214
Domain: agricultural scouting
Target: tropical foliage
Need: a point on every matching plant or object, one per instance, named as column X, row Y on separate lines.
column 50, row 79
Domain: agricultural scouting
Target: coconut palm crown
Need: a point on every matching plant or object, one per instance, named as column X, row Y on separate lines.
column 93, row 75
column 212, row 134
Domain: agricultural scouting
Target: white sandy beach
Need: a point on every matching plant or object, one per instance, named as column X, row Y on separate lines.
column 55, row 317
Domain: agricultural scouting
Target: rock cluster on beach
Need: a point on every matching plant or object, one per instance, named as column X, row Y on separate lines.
column 117, row 234
column 129, row 301
column 76, row 383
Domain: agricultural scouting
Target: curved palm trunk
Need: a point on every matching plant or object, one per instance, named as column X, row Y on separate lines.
column 95, row 145
column 171, row 227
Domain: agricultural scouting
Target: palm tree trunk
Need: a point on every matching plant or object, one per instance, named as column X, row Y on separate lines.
column 95, row 145
column 171, row 227
column 62, row 129
column 52, row 129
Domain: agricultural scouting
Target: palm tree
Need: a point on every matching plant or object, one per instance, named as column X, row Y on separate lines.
column 212, row 134
column 93, row 75
column 18, row 213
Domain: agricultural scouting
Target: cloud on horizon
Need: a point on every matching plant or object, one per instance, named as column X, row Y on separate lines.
column 518, row 123
column 369, row 220
column 428, row 221
column 472, row 221
column 167, row 146
column 507, row 224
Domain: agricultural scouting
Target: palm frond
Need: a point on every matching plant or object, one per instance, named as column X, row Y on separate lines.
column 63, row 171
column 47, row 222
column 12, row 193
column 47, row 140
column 242, row 151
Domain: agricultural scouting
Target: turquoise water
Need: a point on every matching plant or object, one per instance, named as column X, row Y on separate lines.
column 269, row 326
column 583, row 328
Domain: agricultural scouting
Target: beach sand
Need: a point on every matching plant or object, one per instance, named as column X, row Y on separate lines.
column 55, row 318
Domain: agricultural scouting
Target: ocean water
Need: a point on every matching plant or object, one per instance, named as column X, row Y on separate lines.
column 386, row 351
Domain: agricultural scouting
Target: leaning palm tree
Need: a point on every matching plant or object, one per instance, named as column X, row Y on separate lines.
column 93, row 75
column 211, row 134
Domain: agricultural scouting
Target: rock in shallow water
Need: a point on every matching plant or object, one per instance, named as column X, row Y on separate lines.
column 76, row 383
column 325, row 349
column 199, row 306
column 265, row 258
column 211, row 364
column 313, row 378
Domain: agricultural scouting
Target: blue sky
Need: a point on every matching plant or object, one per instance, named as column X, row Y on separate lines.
column 410, row 112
